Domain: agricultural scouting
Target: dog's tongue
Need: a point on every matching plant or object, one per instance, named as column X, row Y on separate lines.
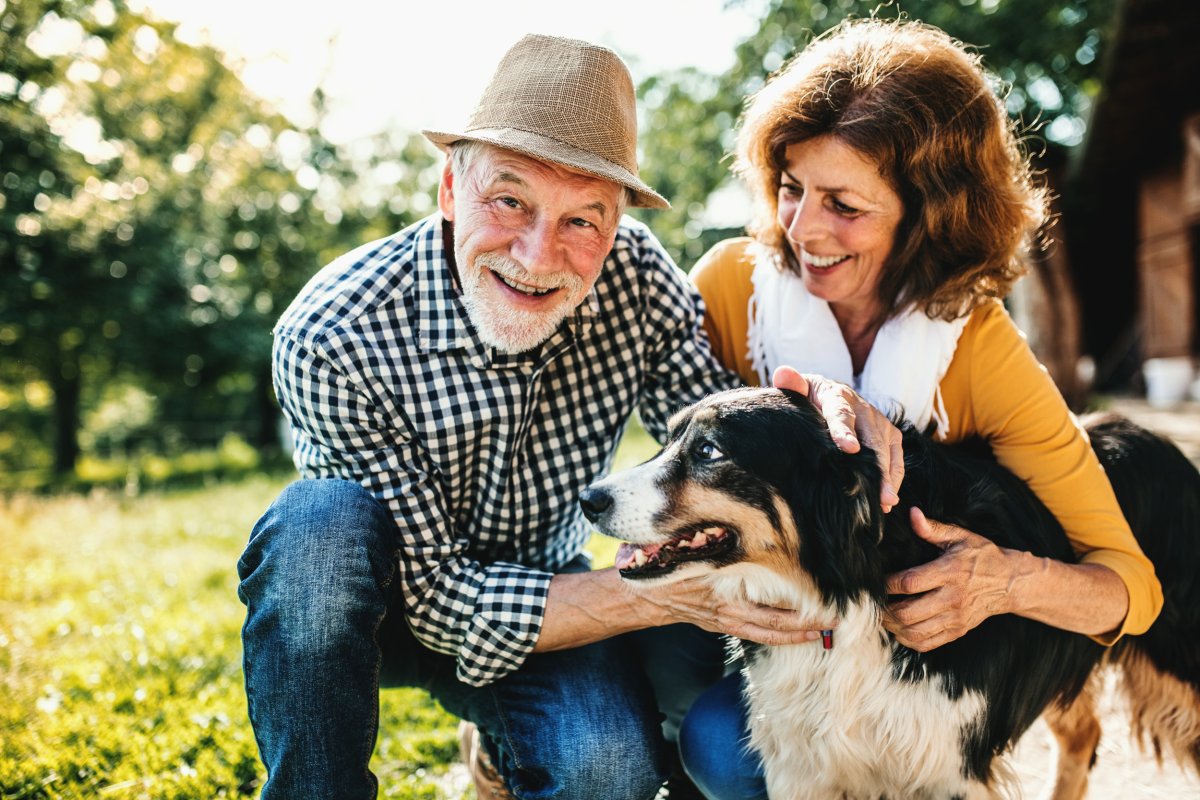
column 627, row 554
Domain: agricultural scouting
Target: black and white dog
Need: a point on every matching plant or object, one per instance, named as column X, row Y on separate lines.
column 751, row 493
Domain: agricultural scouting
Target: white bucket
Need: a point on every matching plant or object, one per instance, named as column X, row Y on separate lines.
column 1167, row 380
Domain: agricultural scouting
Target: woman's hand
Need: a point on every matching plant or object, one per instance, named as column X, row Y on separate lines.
column 851, row 419
column 974, row 579
column 968, row 583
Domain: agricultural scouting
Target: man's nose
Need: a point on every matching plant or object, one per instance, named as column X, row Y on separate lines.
column 537, row 248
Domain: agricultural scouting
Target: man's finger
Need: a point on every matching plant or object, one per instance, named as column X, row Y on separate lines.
column 774, row 638
column 782, row 618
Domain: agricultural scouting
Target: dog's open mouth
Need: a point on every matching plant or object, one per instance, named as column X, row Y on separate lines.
column 695, row 543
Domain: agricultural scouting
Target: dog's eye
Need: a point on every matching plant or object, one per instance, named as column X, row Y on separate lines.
column 707, row 451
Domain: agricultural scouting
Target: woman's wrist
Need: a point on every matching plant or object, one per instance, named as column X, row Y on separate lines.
column 1084, row 598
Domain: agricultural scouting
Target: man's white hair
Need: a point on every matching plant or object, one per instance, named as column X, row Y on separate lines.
column 465, row 152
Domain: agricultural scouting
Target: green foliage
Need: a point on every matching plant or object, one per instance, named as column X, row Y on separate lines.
column 234, row 458
column 155, row 218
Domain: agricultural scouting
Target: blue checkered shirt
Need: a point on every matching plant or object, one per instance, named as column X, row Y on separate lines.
column 480, row 455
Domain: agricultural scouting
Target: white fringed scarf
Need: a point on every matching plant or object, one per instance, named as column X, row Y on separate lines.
column 911, row 354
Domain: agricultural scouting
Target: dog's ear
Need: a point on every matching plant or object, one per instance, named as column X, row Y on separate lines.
column 841, row 523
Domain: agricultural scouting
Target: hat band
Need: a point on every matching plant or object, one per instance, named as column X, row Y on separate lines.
column 544, row 148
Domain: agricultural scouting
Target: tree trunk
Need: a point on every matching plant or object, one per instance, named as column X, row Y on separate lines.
column 64, row 379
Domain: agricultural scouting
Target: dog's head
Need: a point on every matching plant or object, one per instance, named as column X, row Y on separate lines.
column 749, row 479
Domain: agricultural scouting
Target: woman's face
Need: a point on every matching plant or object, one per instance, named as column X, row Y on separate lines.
column 839, row 216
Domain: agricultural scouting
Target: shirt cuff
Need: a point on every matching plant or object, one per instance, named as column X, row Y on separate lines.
column 506, row 624
column 1145, row 592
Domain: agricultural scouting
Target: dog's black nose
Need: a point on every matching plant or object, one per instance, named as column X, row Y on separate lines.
column 594, row 502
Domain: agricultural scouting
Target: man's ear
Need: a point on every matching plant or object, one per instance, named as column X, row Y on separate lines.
column 446, row 192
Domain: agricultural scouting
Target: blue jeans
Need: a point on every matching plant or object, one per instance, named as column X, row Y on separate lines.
column 325, row 631
column 713, row 743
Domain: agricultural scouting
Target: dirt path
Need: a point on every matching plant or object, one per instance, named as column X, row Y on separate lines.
column 1180, row 424
column 1122, row 772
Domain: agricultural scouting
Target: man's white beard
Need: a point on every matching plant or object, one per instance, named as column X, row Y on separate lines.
column 499, row 324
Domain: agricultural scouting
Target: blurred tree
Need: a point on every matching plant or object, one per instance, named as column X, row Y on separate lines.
column 1045, row 53
column 155, row 217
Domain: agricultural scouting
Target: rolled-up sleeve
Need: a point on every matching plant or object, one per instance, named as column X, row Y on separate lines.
column 487, row 616
column 1021, row 413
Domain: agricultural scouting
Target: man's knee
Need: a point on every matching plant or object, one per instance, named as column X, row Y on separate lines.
column 323, row 552
column 314, row 524
column 587, row 762
column 578, row 724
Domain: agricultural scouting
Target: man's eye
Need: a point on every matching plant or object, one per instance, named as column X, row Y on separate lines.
column 511, row 202
column 707, row 451
column 580, row 222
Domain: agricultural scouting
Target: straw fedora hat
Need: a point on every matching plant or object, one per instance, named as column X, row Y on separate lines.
column 563, row 101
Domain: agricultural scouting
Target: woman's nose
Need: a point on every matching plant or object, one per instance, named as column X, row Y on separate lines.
column 804, row 221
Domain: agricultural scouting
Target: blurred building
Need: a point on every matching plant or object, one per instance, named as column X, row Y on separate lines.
column 1131, row 197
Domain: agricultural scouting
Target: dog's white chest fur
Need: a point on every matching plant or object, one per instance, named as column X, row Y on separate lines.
column 836, row 723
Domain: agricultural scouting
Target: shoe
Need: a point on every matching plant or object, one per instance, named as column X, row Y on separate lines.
column 488, row 783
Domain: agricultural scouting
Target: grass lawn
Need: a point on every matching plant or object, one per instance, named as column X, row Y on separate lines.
column 120, row 656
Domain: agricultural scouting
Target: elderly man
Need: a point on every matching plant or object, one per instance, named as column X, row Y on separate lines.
column 451, row 389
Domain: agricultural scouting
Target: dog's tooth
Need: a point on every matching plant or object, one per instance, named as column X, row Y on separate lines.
column 639, row 557
column 714, row 531
column 700, row 539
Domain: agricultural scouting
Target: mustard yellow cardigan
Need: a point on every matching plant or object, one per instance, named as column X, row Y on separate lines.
column 995, row 389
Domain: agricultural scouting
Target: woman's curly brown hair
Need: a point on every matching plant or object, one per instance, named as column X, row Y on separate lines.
column 919, row 105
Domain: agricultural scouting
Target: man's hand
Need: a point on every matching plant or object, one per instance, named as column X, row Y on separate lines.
column 850, row 419
column 693, row 601
column 585, row 607
column 959, row 589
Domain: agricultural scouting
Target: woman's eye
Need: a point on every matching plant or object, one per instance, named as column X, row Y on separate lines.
column 791, row 189
column 842, row 208
column 707, row 451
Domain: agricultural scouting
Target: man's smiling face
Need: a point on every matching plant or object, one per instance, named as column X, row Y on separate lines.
column 530, row 239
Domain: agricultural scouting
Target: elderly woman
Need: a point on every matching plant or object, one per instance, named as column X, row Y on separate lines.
column 895, row 207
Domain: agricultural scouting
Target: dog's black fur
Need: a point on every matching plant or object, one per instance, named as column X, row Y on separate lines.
column 848, row 545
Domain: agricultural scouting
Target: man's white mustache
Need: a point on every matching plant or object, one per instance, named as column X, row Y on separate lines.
column 510, row 269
